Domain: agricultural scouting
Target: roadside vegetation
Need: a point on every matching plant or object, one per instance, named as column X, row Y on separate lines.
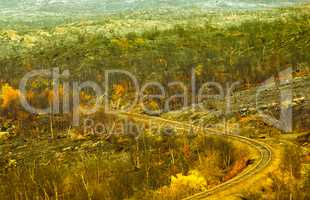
column 151, row 166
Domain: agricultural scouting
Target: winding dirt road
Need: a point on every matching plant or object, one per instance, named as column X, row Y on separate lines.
column 257, row 167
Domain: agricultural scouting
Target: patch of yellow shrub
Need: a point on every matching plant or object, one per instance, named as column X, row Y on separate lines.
column 194, row 181
column 182, row 186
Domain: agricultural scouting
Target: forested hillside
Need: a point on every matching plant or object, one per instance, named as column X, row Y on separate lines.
column 249, row 52
column 218, row 146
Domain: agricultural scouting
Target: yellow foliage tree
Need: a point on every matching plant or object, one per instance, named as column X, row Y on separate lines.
column 60, row 30
column 139, row 41
column 12, row 35
column 29, row 41
column 153, row 105
column 118, row 93
column 123, row 43
column 49, row 94
column 85, row 97
column 199, row 70
column 118, row 90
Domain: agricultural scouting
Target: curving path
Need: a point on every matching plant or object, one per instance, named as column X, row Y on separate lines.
column 254, row 169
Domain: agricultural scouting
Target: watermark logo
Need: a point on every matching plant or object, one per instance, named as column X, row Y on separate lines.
column 187, row 97
column 284, row 84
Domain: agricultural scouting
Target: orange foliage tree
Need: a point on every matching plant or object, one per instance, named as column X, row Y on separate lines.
column 9, row 97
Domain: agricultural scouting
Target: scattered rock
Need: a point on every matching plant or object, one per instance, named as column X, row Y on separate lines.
column 67, row 149
column 299, row 100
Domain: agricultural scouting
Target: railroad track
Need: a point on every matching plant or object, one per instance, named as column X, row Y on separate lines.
column 255, row 168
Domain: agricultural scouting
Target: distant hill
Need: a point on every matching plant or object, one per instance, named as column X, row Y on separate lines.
column 108, row 6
